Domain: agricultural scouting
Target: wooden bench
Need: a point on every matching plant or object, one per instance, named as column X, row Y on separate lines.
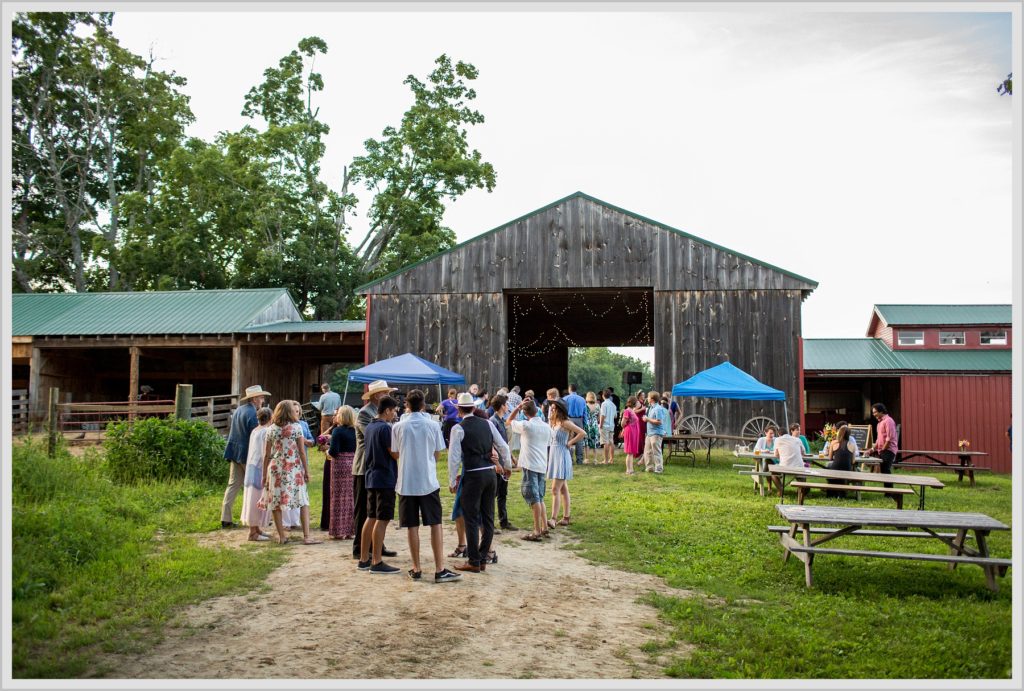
column 936, row 466
column 870, row 533
column 897, row 493
column 1001, row 564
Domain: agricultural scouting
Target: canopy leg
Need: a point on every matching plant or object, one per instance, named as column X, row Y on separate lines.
column 343, row 398
column 785, row 412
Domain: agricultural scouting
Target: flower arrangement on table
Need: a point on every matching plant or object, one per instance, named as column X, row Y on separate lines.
column 963, row 444
column 828, row 433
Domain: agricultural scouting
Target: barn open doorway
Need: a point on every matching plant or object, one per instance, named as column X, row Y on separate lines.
column 544, row 324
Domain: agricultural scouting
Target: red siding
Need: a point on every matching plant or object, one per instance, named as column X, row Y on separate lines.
column 937, row 411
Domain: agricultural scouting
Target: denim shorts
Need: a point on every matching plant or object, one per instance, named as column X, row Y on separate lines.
column 533, row 487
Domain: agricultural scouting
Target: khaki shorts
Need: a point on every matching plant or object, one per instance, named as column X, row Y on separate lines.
column 607, row 436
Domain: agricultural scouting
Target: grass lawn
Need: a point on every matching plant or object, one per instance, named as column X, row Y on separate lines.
column 99, row 566
column 705, row 529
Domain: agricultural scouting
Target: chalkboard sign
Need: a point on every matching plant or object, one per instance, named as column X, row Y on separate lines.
column 862, row 435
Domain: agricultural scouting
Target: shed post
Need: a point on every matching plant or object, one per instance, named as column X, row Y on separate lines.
column 183, row 402
column 52, row 422
column 133, row 381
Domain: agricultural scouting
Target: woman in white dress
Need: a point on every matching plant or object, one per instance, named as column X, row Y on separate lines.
column 253, row 516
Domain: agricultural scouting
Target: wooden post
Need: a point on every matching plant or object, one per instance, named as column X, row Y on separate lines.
column 209, row 410
column 183, row 402
column 52, row 422
column 133, row 381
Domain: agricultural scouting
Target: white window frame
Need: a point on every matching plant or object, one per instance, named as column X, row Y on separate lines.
column 918, row 338
column 998, row 336
column 959, row 338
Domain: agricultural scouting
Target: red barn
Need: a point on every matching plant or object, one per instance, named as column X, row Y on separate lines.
column 943, row 371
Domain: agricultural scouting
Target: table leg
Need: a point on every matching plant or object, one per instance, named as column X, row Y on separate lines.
column 920, row 498
column 990, row 571
column 792, row 534
column 961, row 537
column 810, row 555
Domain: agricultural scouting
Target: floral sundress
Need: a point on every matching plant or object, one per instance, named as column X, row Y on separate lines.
column 590, row 426
column 286, row 485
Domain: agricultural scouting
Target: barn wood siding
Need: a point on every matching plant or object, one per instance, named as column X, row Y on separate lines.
column 756, row 331
column 937, row 411
column 580, row 243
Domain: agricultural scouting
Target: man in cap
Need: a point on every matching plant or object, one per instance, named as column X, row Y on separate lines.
column 374, row 392
column 243, row 422
column 470, row 446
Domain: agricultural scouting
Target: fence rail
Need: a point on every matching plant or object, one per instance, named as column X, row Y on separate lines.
column 87, row 422
column 216, row 410
column 19, row 411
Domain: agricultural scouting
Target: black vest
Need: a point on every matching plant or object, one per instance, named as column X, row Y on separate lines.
column 476, row 443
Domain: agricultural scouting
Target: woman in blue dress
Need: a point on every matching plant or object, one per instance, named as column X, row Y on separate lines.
column 564, row 436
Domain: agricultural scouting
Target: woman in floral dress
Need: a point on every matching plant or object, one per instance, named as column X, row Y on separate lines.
column 286, row 471
column 590, row 425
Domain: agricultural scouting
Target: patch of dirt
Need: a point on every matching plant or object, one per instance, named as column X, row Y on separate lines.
column 541, row 612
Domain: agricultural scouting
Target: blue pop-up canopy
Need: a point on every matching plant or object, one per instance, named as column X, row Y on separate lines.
column 728, row 381
column 406, row 369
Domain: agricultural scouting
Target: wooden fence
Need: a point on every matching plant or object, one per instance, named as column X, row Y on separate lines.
column 19, row 411
column 216, row 410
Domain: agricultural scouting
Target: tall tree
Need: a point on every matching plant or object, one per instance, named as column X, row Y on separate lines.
column 412, row 169
column 593, row 369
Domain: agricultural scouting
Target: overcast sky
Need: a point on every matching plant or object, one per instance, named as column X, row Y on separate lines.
column 867, row 151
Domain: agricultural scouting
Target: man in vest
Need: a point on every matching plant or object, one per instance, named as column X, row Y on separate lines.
column 470, row 447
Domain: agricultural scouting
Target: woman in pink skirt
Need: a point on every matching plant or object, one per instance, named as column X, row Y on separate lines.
column 341, row 451
column 632, row 437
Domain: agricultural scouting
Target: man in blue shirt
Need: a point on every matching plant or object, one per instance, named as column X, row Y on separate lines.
column 577, row 407
column 658, row 423
column 330, row 401
column 381, row 478
column 243, row 422
column 606, row 425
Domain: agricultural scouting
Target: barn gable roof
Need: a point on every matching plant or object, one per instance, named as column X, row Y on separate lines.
column 581, row 218
column 940, row 315
column 157, row 312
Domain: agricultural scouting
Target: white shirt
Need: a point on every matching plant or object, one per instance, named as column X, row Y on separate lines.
column 534, row 435
column 790, row 450
column 416, row 437
column 455, row 450
column 608, row 412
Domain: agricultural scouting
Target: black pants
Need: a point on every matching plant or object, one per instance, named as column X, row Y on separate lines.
column 502, row 494
column 478, row 492
column 446, row 430
column 359, row 514
column 325, row 510
column 887, row 457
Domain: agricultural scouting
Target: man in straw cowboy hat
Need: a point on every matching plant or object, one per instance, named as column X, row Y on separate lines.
column 374, row 392
column 243, row 422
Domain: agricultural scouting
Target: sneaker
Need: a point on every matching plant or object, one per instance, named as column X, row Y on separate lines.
column 228, row 524
column 415, row 575
column 364, row 565
column 509, row 527
column 447, row 576
column 385, row 552
column 384, row 568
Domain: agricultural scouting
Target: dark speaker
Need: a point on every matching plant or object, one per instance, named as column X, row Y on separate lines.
column 630, row 378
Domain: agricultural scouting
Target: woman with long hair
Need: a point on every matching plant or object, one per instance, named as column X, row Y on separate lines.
column 632, row 437
column 341, row 452
column 564, row 436
column 286, row 470
column 840, row 454
column 253, row 516
column 590, row 425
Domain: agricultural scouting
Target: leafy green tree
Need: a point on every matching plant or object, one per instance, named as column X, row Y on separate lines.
column 413, row 168
column 593, row 369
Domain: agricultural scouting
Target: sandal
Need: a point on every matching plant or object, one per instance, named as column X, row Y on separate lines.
column 551, row 523
column 284, row 541
column 546, row 533
column 311, row 541
column 564, row 521
column 460, row 551
column 530, row 537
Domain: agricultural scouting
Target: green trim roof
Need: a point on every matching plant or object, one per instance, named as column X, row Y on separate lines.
column 941, row 315
column 158, row 312
column 340, row 326
column 871, row 354
column 582, row 195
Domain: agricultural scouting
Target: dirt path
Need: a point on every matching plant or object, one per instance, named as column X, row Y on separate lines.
column 541, row 612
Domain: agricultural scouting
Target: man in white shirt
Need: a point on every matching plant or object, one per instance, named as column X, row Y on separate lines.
column 790, row 451
column 417, row 443
column 534, row 437
column 606, row 424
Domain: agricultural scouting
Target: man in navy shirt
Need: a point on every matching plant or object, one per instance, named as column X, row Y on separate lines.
column 577, row 407
column 381, row 477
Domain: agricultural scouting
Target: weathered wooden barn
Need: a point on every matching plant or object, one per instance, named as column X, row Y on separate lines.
column 943, row 371
column 105, row 346
column 504, row 307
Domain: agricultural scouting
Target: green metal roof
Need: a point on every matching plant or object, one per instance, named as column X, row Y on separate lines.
column 941, row 315
column 158, row 312
column 871, row 354
column 362, row 288
column 340, row 326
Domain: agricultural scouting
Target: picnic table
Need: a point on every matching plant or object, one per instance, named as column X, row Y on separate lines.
column 691, row 442
column 917, row 483
column 762, row 461
column 679, row 444
column 934, row 461
column 910, row 524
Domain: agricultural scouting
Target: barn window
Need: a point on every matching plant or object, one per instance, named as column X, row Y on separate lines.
column 951, row 338
column 993, row 338
column 911, row 338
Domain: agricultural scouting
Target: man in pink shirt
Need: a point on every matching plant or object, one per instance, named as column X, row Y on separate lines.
column 885, row 446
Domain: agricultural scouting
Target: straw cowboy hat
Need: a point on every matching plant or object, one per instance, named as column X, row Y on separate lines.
column 465, row 401
column 253, row 392
column 377, row 387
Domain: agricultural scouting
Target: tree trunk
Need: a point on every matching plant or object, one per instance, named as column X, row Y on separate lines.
column 111, row 233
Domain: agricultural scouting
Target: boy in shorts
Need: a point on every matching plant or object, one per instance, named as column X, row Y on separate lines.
column 417, row 443
column 381, row 472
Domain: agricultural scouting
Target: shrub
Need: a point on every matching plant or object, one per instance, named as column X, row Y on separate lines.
column 160, row 449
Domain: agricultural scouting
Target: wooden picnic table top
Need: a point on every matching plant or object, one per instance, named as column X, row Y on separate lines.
column 859, row 476
column 911, row 452
column 841, row 515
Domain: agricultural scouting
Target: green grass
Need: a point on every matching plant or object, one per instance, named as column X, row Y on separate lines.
column 100, row 567
column 706, row 530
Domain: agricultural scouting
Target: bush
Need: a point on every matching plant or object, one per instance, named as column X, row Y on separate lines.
column 160, row 449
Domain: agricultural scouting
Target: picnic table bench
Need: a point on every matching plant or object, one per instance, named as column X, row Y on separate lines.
column 690, row 444
column 918, row 483
column 762, row 461
column 917, row 524
column 934, row 462
column 895, row 493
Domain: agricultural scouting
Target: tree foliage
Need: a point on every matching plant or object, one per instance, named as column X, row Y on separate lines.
column 593, row 369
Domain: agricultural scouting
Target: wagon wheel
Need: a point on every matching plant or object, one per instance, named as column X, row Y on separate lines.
column 698, row 424
column 755, row 426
